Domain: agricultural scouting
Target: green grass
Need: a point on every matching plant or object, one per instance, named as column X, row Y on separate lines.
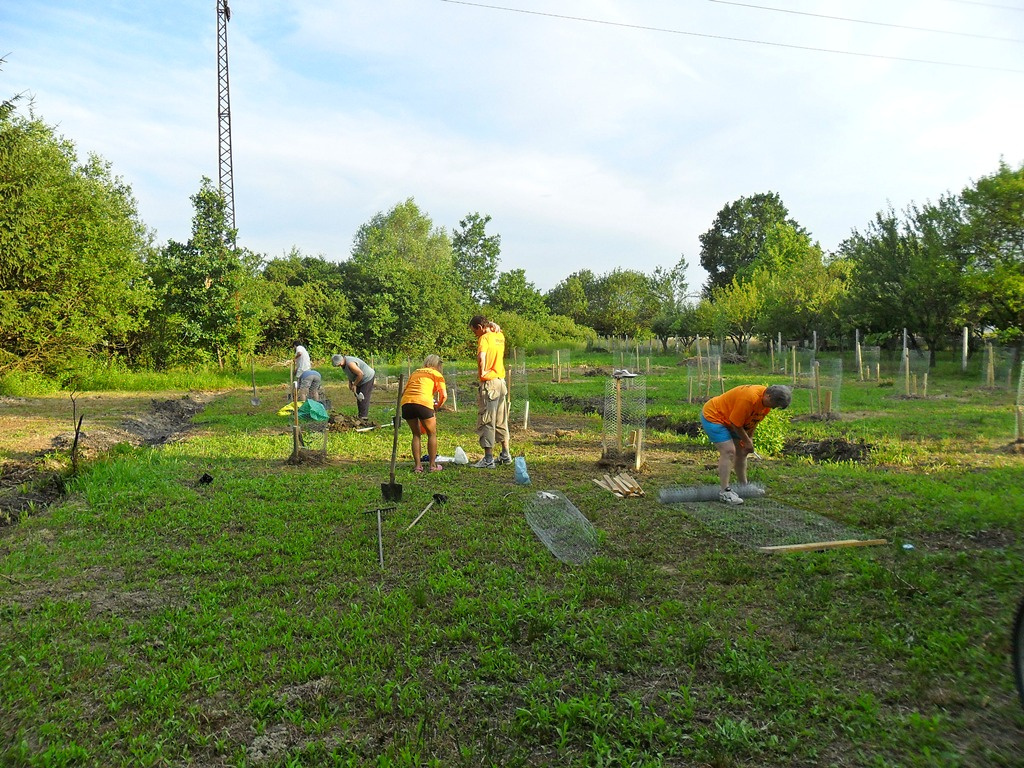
column 151, row 620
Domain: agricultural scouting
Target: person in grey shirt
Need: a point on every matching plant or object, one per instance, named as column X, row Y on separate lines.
column 360, row 380
column 309, row 386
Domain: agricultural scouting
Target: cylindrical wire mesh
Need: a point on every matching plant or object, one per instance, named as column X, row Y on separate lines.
column 561, row 526
column 519, row 394
column 827, row 386
column 625, row 419
column 997, row 367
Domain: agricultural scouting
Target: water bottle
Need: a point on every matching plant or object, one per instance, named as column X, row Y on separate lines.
column 522, row 476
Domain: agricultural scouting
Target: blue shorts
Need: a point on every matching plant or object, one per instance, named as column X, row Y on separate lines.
column 716, row 432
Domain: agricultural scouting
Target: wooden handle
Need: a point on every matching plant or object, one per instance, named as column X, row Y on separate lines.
column 398, row 420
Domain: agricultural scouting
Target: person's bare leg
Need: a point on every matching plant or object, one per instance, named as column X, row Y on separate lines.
column 430, row 427
column 726, row 458
column 414, row 425
column 741, row 467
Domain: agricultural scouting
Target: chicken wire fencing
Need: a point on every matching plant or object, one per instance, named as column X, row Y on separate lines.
column 762, row 523
column 870, row 363
column 519, row 395
column 625, row 419
column 998, row 366
column 562, row 528
column 826, row 387
column 451, row 384
column 560, row 359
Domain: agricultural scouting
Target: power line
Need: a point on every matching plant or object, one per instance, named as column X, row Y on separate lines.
column 987, row 5
column 866, row 21
column 734, row 39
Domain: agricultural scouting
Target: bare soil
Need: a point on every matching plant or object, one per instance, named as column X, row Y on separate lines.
column 37, row 436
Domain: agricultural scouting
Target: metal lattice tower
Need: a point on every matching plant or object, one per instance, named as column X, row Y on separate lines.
column 226, row 174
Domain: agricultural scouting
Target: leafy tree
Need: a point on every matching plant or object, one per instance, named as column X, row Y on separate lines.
column 737, row 308
column 570, row 297
column 210, row 296
column 71, row 251
column 910, row 273
column 476, row 256
column 402, row 283
column 737, row 237
column 514, row 293
column 623, row 304
column 994, row 237
column 308, row 303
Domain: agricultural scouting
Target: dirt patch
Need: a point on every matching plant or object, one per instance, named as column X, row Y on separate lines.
column 339, row 422
column 584, row 405
column 1016, row 448
column 37, row 480
column 956, row 541
column 830, row 449
column 667, row 424
column 597, row 371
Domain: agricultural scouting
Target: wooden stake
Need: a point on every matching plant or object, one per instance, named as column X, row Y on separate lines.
column 828, row 402
column 817, row 383
column 925, row 392
column 618, row 412
column 824, row 545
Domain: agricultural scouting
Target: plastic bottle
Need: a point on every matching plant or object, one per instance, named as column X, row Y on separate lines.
column 522, row 476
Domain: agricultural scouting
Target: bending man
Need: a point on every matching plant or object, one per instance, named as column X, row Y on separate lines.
column 730, row 420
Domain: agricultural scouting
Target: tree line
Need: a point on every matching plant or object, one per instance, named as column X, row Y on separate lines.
column 83, row 282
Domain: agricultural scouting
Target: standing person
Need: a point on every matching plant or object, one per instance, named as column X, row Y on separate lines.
column 730, row 420
column 424, row 393
column 309, row 386
column 360, row 380
column 492, row 415
column 301, row 361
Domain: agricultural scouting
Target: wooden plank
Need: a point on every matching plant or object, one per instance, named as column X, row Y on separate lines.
column 622, row 486
column 611, row 486
column 824, row 545
column 633, row 484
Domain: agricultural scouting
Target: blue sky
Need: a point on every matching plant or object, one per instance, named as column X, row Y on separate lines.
column 606, row 140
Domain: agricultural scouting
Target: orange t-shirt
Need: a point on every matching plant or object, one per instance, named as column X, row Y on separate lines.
column 739, row 407
column 421, row 387
column 490, row 361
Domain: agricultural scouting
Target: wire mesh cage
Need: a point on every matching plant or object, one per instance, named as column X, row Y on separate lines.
column 1019, row 406
column 801, row 366
column 826, row 387
column 451, row 383
column 561, row 526
column 625, row 420
column 314, row 436
column 870, row 363
column 560, row 359
column 519, row 395
column 997, row 367
column 763, row 523
column 914, row 367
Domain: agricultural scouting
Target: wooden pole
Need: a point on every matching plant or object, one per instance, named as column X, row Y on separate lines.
column 689, row 397
column 295, row 414
column 828, row 402
column 925, row 392
column 906, row 370
column 558, row 362
column 963, row 352
column 913, row 380
column 794, row 367
column 618, row 412
column 1020, row 424
column 771, row 353
column 824, row 545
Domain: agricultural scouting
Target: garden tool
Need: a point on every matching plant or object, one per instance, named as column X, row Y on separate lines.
column 392, row 491
column 380, row 535
column 439, row 498
column 254, row 399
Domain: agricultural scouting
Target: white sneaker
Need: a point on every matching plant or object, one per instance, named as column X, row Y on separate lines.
column 729, row 496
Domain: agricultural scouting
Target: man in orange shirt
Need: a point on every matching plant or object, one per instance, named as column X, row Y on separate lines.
column 492, row 414
column 730, row 420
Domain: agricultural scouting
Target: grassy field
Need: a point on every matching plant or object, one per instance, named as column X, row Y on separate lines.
column 149, row 619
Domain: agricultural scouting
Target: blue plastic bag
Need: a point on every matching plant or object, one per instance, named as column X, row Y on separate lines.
column 522, row 476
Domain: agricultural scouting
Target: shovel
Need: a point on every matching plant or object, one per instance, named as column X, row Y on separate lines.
column 254, row 399
column 439, row 498
column 392, row 491
column 380, row 535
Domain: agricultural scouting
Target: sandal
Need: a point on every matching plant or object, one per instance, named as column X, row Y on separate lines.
column 418, row 468
column 436, row 468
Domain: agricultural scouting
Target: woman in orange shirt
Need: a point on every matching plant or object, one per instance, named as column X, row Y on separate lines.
column 424, row 393
column 730, row 420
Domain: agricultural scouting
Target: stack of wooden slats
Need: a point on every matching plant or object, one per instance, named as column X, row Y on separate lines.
column 621, row 485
